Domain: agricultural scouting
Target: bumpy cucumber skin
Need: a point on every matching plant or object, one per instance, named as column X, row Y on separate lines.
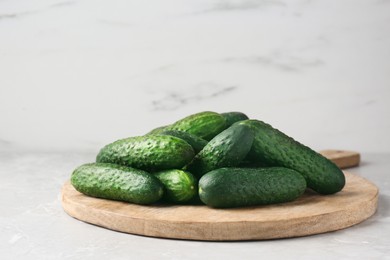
column 115, row 182
column 227, row 149
column 149, row 152
column 205, row 125
column 273, row 147
column 233, row 117
column 180, row 186
column 196, row 142
column 239, row 187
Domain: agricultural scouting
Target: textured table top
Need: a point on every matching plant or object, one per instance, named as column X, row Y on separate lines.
column 34, row 225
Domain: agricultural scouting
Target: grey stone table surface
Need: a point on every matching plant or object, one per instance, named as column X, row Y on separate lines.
column 33, row 224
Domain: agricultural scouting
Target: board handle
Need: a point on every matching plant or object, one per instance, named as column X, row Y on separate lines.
column 343, row 159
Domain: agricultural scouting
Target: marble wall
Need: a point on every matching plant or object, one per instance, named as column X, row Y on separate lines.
column 75, row 75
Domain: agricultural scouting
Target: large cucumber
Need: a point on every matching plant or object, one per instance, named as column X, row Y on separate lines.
column 110, row 181
column 237, row 187
column 272, row 147
column 149, row 152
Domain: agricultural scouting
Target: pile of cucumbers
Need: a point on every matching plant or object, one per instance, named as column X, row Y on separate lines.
column 223, row 160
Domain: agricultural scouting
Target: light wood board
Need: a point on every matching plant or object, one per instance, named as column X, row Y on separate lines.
column 310, row 214
column 343, row 159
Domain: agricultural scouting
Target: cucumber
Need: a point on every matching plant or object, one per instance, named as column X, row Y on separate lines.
column 180, row 186
column 227, row 149
column 197, row 143
column 252, row 164
column 156, row 130
column 205, row 125
column 238, row 187
column 115, row 182
column 149, row 152
column 233, row 117
column 272, row 147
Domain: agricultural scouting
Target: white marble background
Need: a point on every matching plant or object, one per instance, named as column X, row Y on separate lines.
column 75, row 75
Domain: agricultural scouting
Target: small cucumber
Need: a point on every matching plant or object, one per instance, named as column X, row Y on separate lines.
column 272, row 147
column 110, row 181
column 233, row 117
column 227, row 149
column 180, row 186
column 149, row 152
column 205, row 125
column 196, row 142
column 238, row 187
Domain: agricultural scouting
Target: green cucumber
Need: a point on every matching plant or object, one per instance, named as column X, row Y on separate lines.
column 246, row 163
column 205, row 125
column 272, row 147
column 149, row 152
column 233, row 117
column 115, row 182
column 196, row 142
column 227, row 149
column 180, row 186
column 156, row 130
column 238, row 187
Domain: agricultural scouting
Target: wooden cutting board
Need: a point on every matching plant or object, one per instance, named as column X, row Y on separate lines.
column 310, row 214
